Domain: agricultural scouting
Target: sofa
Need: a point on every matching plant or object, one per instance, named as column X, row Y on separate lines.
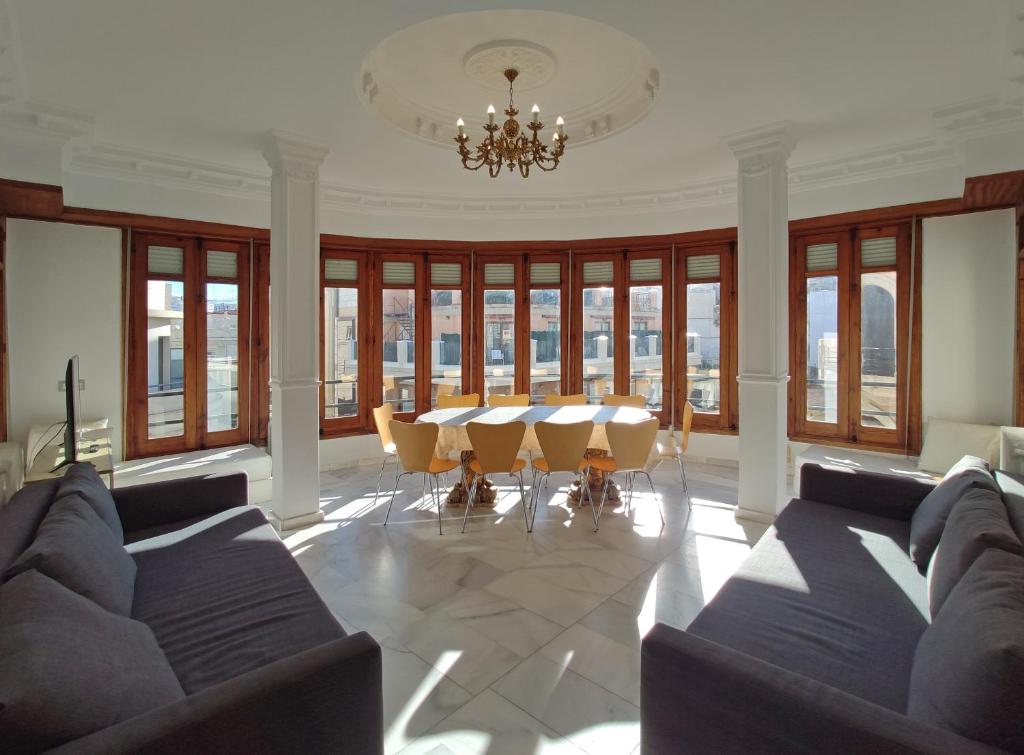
column 877, row 614
column 169, row 618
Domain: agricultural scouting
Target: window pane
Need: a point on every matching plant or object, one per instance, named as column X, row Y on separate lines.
column 598, row 342
column 341, row 352
column 645, row 343
column 545, row 343
column 400, row 348
column 878, row 350
column 499, row 342
column 822, row 349
column 221, row 356
column 166, row 359
column 446, row 343
column 703, row 346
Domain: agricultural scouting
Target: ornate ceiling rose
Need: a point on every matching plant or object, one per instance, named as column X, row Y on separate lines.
column 423, row 77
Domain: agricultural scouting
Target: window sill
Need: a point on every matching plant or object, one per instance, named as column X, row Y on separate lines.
column 888, row 448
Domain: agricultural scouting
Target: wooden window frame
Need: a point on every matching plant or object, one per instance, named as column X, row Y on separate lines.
column 194, row 278
column 335, row 426
column 727, row 419
column 848, row 428
column 421, row 363
column 665, row 255
column 521, row 299
column 466, row 288
column 562, row 258
column 620, row 318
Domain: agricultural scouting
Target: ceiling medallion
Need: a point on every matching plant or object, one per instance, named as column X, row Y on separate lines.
column 512, row 148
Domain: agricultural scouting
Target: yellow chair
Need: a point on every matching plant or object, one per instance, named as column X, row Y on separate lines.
column 415, row 444
column 676, row 447
column 636, row 400
column 499, row 399
column 630, row 445
column 466, row 401
column 556, row 399
column 496, row 448
column 564, row 449
column 382, row 418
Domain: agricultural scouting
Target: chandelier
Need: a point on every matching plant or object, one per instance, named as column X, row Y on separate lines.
column 507, row 145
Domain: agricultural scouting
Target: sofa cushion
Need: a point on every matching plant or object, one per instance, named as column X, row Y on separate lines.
column 930, row 516
column 70, row 668
column 978, row 521
column 224, row 596
column 946, row 441
column 76, row 548
column 21, row 517
column 828, row 593
column 1012, row 487
column 968, row 672
column 83, row 481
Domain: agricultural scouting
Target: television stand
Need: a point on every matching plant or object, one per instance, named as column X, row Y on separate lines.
column 93, row 448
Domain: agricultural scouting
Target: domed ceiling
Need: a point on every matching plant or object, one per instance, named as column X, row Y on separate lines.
column 188, row 90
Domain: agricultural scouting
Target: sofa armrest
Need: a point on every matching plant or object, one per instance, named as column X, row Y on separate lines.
column 700, row 697
column 871, row 492
column 326, row 699
column 160, row 503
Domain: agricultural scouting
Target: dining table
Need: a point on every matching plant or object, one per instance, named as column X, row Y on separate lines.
column 453, row 438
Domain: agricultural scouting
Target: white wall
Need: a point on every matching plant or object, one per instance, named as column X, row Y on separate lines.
column 63, row 298
column 967, row 316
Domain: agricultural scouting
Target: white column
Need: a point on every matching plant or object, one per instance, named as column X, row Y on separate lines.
column 763, row 287
column 295, row 328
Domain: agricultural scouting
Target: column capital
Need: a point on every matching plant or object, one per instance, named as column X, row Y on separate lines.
column 774, row 140
column 294, row 155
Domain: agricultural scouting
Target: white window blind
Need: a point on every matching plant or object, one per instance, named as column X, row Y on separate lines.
column 602, row 271
column 878, row 252
column 645, row 269
column 822, row 257
column 445, row 273
column 546, row 272
column 165, row 260
column 702, row 266
column 500, row 273
column 341, row 270
column 401, row 273
column 221, row 265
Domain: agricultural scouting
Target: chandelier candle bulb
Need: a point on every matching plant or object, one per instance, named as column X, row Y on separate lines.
column 461, row 124
column 536, row 114
column 490, row 114
column 560, row 125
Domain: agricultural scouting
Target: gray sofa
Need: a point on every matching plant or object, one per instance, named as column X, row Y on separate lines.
column 878, row 614
column 170, row 618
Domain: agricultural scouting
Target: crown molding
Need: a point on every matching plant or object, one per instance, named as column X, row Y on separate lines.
column 978, row 118
column 110, row 161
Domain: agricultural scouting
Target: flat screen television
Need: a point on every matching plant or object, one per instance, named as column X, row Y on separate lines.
column 73, row 406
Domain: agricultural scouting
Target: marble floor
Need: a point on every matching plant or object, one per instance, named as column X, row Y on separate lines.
column 495, row 641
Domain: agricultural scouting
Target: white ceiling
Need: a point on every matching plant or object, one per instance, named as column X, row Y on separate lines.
column 206, row 79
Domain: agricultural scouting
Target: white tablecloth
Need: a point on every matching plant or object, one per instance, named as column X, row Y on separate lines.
column 452, row 435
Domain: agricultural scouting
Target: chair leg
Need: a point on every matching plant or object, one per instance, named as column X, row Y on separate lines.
column 380, row 476
column 469, row 502
column 522, row 497
column 604, row 497
column 436, row 486
column 535, row 498
column 656, row 501
column 682, row 474
column 398, row 476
